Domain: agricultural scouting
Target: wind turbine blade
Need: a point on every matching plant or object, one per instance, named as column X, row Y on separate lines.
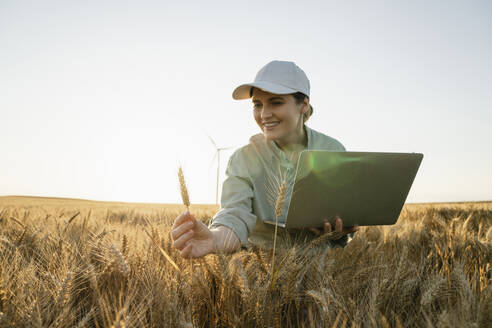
column 225, row 148
column 212, row 141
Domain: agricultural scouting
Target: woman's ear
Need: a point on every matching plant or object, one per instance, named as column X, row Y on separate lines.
column 305, row 106
column 307, row 110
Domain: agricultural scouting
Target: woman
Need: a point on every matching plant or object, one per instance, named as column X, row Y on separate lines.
column 280, row 96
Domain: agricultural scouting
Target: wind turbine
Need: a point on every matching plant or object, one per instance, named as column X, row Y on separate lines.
column 217, row 154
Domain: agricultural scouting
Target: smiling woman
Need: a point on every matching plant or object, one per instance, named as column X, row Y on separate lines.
column 280, row 117
column 258, row 171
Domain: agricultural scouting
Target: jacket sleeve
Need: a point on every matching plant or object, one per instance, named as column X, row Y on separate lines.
column 236, row 200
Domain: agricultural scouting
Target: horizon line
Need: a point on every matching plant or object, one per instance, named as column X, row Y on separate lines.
column 128, row 202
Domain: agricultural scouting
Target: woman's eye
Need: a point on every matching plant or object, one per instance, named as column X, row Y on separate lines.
column 277, row 103
column 256, row 106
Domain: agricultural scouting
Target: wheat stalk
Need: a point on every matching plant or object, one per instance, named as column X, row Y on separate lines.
column 184, row 190
column 21, row 238
column 18, row 222
column 279, row 205
column 186, row 201
column 168, row 258
column 489, row 235
column 70, row 221
column 85, row 319
column 3, row 294
column 73, row 217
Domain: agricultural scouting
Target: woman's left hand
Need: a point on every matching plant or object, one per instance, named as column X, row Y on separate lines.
column 337, row 230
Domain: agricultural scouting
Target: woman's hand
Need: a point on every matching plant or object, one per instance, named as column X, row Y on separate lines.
column 337, row 230
column 191, row 236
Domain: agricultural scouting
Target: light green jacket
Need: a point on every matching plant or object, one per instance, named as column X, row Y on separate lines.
column 253, row 177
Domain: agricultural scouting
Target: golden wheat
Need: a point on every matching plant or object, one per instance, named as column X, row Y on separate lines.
column 186, row 201
column 184, row 190
column 279, row 205
column 121, row 260
column 162, row 251
column 3, row 294
column 124, row 245
column 64, row 292
column 418, row 273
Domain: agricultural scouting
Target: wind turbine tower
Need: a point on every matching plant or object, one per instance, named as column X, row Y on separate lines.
column 217, row 154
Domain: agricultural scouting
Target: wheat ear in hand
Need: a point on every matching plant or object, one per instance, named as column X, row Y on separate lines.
column 184, row 190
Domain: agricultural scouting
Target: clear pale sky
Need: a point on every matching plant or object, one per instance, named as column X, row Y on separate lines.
column 102, row 99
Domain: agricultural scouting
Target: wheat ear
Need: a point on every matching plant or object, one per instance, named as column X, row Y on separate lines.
column 121, row 260
column 184, row 190
column 124, row 245
column 186, row 201
column 18, row 222
column 63, row 294
column 279, row 206
column 3, row 294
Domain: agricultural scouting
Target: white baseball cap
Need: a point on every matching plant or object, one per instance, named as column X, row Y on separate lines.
column 277, row 77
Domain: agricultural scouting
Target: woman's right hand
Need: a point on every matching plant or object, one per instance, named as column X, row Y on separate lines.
column 192, row 237
column 337, row 230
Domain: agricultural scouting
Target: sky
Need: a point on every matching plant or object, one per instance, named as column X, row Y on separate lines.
column 103, row 100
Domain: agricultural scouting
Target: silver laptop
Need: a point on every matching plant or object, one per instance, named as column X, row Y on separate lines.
column 363, row 188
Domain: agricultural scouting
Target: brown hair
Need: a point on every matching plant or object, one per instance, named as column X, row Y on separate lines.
column 299, row 97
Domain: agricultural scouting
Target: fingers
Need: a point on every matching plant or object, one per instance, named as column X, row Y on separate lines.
column 180, row 243
column 338, row 225
column 337, row 230
column 181, row 229
column 344, row 230
column 182, row 218
column 327, row 226
column 186, row 251
column 182, row 224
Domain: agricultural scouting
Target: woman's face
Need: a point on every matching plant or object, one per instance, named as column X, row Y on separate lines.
column 279, row 117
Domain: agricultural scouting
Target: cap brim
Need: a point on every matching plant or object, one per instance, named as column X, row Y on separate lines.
column 243, row 91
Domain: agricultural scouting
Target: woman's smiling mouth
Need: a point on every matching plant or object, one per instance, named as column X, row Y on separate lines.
column 270, row 125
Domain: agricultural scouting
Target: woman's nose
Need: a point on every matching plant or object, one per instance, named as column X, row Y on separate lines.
column 265, row 112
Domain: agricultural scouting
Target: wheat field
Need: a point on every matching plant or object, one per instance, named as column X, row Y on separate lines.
column 74, row 263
